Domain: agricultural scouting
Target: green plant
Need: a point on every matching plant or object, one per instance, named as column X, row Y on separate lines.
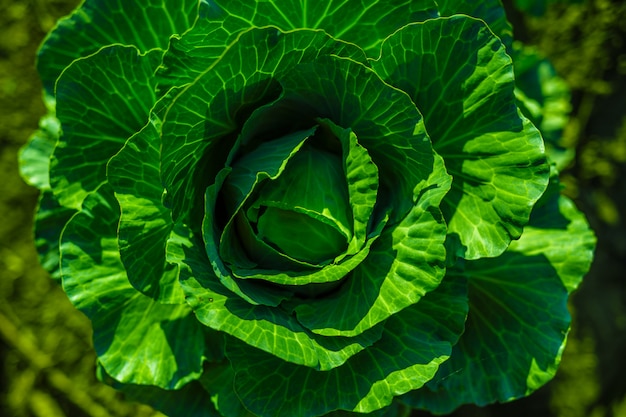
column 312, row 209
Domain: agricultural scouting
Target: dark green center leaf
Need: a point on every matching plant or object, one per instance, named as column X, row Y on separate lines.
column 305, row 213
column 286, row 230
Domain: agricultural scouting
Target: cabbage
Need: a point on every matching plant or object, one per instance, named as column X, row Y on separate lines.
column 302, row 208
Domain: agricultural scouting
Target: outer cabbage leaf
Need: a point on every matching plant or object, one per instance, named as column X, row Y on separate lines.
column 138, row 340
column 92, row 26
column 545, row 99
column 145, row 223
column 145, row 24
column 102, row 100
column 50, row 219
column 555, row 220
column 518, row 320
column 50, row 216
column 396, row 409
column 221, row 21
column 34, row 157
column 461, row 78
column 218, row 380
column 189, row 401
column 415, row 341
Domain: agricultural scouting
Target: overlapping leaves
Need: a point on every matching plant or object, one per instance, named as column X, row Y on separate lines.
column 175, row 119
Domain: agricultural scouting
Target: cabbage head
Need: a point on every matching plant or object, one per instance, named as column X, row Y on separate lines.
column 296, row 208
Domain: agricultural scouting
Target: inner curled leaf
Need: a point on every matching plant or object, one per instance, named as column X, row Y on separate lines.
column 305, row 213
column 294, row 204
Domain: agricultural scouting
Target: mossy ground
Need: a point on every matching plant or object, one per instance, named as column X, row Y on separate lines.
column 46, row 360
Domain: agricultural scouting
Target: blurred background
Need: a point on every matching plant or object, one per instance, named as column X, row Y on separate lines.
column 47, row 365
